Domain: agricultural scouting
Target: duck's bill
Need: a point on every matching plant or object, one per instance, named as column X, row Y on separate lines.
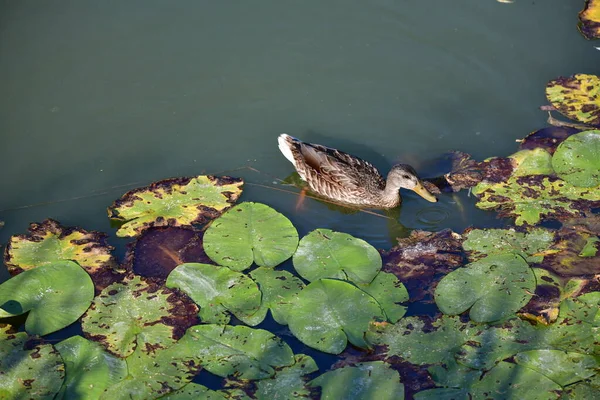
column 424, row 193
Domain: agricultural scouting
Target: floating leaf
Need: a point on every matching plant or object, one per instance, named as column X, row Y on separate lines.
column 572, row 253
column 389, row 293
column 531, row 198
column 452, row 374
column 532, row 162
column 328, row 312
column 589, row 389
column 135, row 313
column 562, row 367
column 216, row 290
column 493, row 288
column 196, row 391
column 577, row 159
column 543, row 306
column 28, row 372
column 576, row 97
column 174, row 202
column 590, row 249
column 279, row 292
column 90, row 370
column 547, row 138
column 49, row 242
column 62, row 290
column 324, row 253
column 484, row 242
column 239, row 350
column 369, row 380
column 250, row 232
column 443, row 394
column 589, row 20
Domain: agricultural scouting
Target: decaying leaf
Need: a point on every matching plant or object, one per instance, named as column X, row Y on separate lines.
column 466, row 172
column 547, row 138
column 577, row 97
column 174, row 202
column 589, row 20
column 573, row 253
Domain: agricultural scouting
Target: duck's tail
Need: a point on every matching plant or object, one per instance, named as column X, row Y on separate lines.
column 286, row 144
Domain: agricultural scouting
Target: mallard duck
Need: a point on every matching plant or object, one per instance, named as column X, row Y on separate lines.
column 347, row 179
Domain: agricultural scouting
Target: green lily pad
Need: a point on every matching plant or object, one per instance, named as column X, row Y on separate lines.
column 590, row 249
column 197, row 391
column 324, row 253
column 250, row 232
column 589, row 20
column 484, row 242
column 443, row 394
column 390, row 293
column 328, row 313
column 453, row 374
column 239, row 350
column 369, row 380
column 28, row 372
column 576, row 97
column 493, row 288
column 49, row 242
column 577, row 159
column 174, row 202
column 216, row 290
column 531, row 198
column 532, row 162
column 135, row 313
column 562, row 367
column 279, row 289
column 61, row 289
column 589, row 389
column 90, row 370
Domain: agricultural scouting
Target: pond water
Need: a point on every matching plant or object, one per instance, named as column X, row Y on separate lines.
column 102, row 97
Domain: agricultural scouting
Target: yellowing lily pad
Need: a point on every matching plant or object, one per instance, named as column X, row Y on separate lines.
column 174, row 202
column 28, row 372
column 324, row 253
column 577, row 97
column 250, row 232
column 577, row 159
column 493, row 288
column 589, row 20
column 55, row 295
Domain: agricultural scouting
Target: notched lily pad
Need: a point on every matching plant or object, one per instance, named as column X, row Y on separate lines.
column 239, row 351
column 216, row 290
column 589, row 20
column 159, row 250
column 493, row 288
column 62, row 290
column 250, row 232
column 369, row 380
column 134, row 313
column 577, row 97
column 324, row 253
column 28, row 372
column 577, row 159
column 174, row 202
column 390, row 293
column 328, row 313
column 529, row 245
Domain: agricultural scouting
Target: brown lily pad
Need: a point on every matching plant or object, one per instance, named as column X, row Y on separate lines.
column 547, row 138
column 466, row 172
column 589, row 20
column 566, row 256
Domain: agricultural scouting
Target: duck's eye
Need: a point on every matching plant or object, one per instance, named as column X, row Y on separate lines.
column 406, row 177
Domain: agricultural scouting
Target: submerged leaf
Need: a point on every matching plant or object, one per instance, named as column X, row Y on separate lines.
column 250, row 232
column 577, row 97
column 484, row 242
column 369, row 380
column 241, row 351
column 389, row 293
column 577, row 159
column 216, row 290
column 493, row 288
column 329, row 312
column 28, row 372
column 589, row 20
column 174, row 202
column 62, row 290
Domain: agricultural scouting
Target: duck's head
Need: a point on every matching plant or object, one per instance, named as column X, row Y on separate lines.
column 404, row 176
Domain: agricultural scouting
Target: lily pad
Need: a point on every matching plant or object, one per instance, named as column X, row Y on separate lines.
column 216, row 290
column 577, row 159
column 197, row 391
column 589, row 20
column 369, row 380
column 547, row 138
column 543, row 306
column 28, row 372
column 49, row 242
column 324, row 253
column 134, row 314
column 572, row 253
column 241, row 351
column 390, row 293
column 328, row 313
column 61, row 289
column 484, row 242
column 90, row 370
column 577, row 97
column 250, row 232
column 174, row 202
column 532, row 162
column 493, row 288
column 280, row 290
column 562, row 367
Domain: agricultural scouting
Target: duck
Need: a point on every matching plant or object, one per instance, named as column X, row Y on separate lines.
column 349, row 180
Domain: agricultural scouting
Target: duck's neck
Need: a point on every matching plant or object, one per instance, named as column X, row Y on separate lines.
column 391, row 194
